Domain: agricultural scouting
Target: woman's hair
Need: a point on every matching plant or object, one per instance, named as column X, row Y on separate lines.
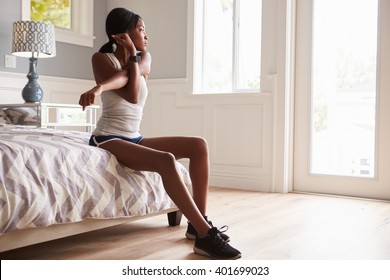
column 119, row 20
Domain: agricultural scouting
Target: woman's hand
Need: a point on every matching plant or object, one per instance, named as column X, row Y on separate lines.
column 88, row 98
column 124, row 40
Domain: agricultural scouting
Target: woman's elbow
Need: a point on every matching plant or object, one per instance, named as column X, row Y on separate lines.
column 133, row 100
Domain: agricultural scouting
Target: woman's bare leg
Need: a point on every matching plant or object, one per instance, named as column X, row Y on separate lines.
column 139, row 157
column 196, row 150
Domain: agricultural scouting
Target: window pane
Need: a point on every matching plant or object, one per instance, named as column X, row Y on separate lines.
column 344, row 87
column 249, row 44
column 57, row 12
column 218, row 45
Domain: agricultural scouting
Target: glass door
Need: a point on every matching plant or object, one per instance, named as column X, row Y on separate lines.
column 342, row 119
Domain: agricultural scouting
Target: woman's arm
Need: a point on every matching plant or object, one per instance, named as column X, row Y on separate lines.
column 122, row 81
column 145, row 64
column 131, row 90
column 107, row 78
column 125, row 82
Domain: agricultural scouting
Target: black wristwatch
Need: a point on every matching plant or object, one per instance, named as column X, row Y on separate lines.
column 135, row 58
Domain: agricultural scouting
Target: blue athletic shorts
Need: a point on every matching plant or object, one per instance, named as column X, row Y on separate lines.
column 96, row 141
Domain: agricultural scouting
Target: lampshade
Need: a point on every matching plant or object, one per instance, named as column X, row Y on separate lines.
column 33, row 39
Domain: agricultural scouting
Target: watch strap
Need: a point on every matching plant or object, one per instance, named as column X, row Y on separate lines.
column 135, row 58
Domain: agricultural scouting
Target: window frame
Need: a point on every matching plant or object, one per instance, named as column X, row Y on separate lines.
column 197, row 8
column 81, row 32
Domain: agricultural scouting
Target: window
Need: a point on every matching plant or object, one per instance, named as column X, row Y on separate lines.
column 58, row 12
column 73, row 19
column 228, row 46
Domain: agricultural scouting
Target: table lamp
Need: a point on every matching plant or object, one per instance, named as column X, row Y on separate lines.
column 33, row 39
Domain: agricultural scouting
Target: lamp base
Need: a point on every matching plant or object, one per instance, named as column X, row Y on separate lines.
column 32, row 92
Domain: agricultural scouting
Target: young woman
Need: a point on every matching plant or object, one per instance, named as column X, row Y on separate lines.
column 121, row 69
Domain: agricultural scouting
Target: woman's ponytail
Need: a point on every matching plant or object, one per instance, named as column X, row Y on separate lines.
column 108, row 47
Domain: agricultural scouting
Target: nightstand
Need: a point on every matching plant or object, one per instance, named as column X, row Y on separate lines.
column 55, row 115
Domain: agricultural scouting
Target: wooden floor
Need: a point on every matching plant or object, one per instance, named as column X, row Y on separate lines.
column 261, row 226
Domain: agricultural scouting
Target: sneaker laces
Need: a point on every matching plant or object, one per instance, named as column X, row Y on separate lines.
column 216, row 239
column 222, row 229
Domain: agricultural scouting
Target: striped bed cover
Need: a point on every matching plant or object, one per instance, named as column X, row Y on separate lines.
column 52, row 177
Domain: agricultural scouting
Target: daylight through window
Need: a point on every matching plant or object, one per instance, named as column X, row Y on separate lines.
column 57, row 12
column 231, row 45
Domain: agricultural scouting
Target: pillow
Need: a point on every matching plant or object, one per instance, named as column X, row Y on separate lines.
column 3, row 118
column 21, row 116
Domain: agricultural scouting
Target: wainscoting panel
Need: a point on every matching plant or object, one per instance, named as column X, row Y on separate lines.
column 174, row 119
column 232, row 133
column 238, row 128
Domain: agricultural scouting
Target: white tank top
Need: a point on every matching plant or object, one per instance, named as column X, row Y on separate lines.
column 120, row 117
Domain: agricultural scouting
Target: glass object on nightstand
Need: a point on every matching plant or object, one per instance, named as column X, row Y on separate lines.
column 52, row 115
column 68, row 115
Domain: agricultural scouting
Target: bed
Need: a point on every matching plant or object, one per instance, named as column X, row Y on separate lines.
column 53, row 184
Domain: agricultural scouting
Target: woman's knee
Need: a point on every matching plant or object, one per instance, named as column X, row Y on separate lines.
column 200, row 146
column 167, row 162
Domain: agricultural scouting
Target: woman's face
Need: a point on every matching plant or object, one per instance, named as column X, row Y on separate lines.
column 139, row 36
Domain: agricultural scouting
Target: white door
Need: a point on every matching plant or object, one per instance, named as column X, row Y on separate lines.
column 342, row 98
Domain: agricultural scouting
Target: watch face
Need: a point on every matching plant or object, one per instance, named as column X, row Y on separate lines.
column 135, row 58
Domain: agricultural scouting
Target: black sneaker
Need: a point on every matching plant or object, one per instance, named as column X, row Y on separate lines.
column 213, row 246
column 192, row 234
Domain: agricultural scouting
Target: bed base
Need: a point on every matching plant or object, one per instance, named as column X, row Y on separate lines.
column 31, row 236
